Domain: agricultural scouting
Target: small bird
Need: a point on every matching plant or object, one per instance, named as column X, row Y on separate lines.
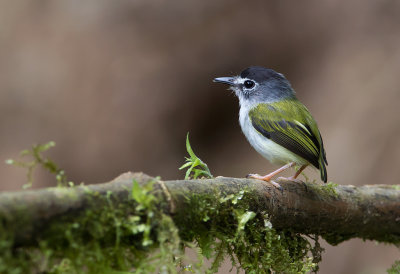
column 276, row 123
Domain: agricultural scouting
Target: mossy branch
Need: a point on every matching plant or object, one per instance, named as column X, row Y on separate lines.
column 335, row 212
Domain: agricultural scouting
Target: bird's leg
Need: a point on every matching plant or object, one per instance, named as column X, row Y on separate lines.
column 298, row 172
column 269, row 176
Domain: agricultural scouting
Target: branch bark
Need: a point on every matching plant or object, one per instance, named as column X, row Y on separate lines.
column 337, row 213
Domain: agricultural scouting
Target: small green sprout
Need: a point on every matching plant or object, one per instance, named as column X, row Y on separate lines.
column 194, row 164
column 39, row 160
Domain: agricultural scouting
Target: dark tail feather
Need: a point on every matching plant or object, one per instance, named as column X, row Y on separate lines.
column 322, row 168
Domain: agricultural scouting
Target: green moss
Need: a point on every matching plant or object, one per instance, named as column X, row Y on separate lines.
column 396, row 187
column 226, row 226
column 117, row 237
column 326, row 191
column 331, row 188
column 122, row 237
column 395, row 269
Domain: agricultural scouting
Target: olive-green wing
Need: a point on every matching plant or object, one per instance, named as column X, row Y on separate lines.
column 289, row 124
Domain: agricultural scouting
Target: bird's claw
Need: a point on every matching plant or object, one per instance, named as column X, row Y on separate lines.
column 265, row 179
column 275, row 184
column 254, row 176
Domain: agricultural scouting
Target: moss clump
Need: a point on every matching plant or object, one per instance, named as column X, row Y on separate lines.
column 227, row 226
column 330, row 188
column 395, row 269
column 116, row 237
column 326, row 191
column 396, row 187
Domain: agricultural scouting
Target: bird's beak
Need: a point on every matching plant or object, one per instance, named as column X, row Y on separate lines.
column 225, row 80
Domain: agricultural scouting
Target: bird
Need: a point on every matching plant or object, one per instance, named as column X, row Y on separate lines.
column 276, row 123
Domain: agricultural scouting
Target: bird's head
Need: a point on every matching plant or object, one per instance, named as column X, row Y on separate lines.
column 258, row 84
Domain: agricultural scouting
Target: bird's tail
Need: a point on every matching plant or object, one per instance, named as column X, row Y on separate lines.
column 322, row 168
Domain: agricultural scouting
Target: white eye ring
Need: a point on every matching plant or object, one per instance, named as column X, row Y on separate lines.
column 245, row 83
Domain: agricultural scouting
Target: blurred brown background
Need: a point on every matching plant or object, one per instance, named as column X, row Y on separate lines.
column 117, row 84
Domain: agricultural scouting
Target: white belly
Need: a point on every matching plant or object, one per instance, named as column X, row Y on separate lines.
column 270, row 150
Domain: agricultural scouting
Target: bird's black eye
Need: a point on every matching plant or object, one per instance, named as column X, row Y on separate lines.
column 248, row 84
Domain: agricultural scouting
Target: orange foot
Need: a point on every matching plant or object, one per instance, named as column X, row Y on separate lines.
column 266, row 178
column 269, row 176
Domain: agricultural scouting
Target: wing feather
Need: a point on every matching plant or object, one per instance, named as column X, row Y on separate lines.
column 301, row 136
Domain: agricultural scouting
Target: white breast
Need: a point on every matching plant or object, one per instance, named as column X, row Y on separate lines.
column 270, row 150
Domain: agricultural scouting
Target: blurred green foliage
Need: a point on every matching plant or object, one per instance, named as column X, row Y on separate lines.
column 38, row 160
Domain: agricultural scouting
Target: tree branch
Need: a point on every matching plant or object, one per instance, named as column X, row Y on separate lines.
column 337, row 213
